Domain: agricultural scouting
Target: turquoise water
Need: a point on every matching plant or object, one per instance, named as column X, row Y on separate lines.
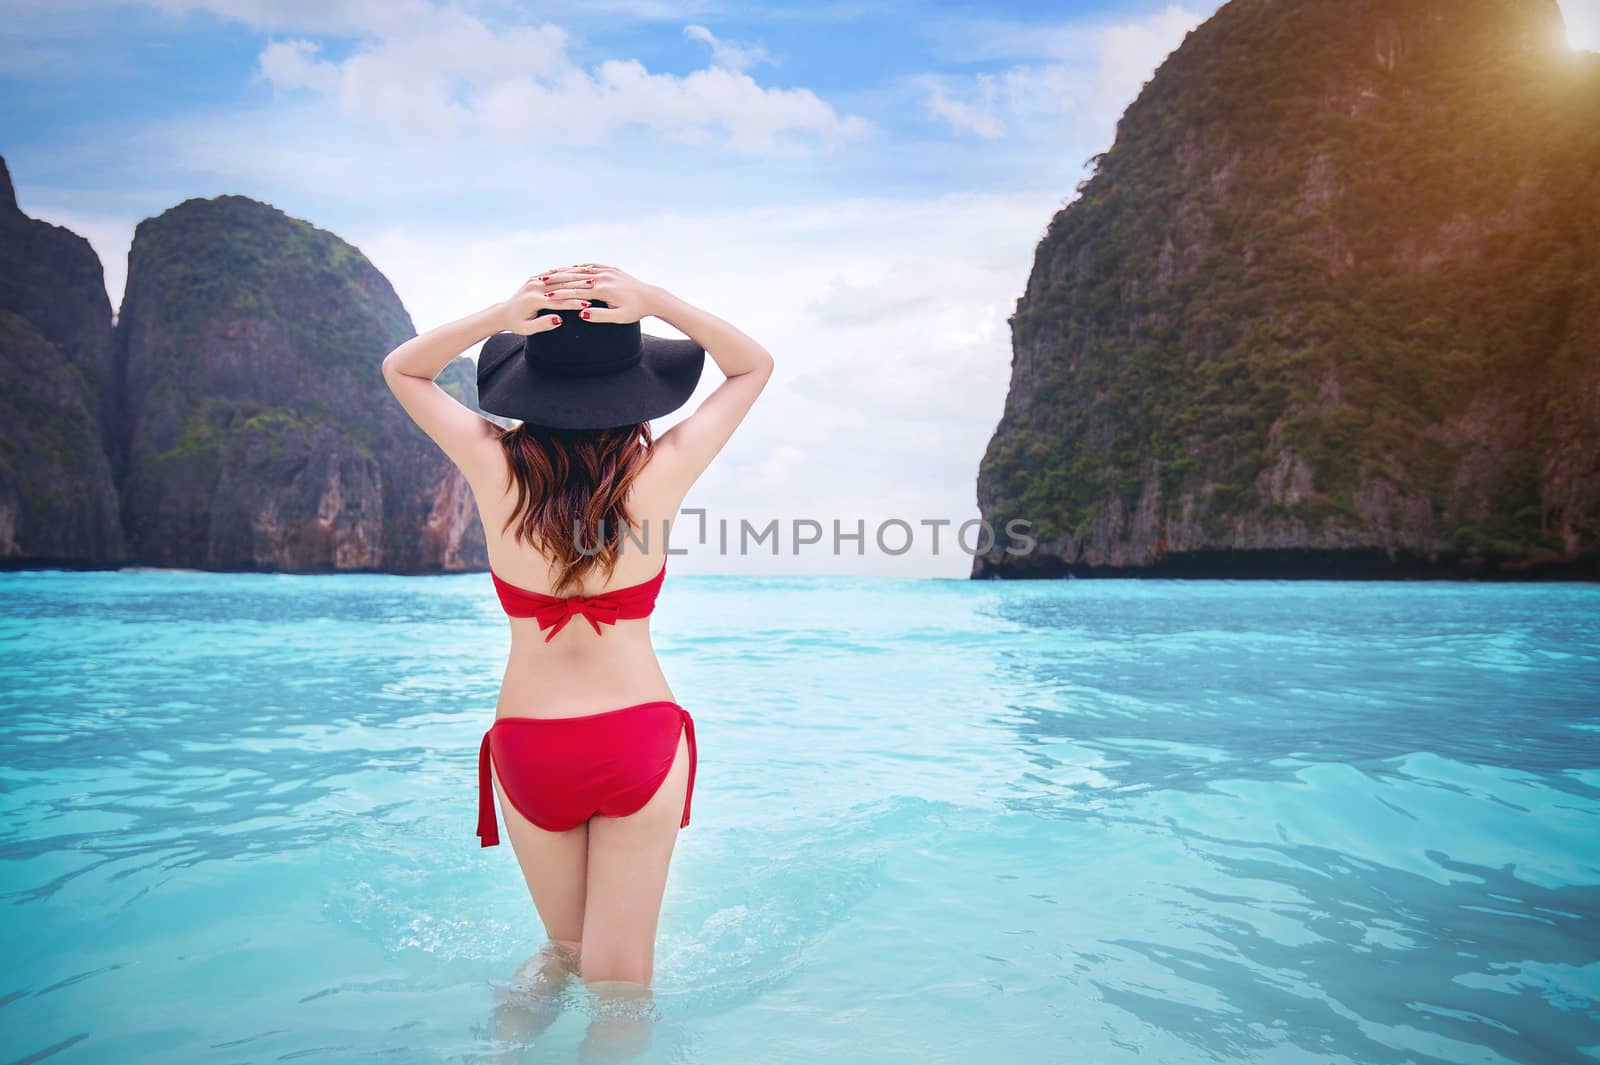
column 935, row 821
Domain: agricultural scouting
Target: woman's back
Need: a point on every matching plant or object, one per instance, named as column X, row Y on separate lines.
column 579, row 670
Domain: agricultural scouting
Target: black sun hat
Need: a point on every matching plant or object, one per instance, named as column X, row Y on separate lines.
column 587, row 375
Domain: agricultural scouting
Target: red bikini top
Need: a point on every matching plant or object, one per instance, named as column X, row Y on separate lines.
column 553, row 612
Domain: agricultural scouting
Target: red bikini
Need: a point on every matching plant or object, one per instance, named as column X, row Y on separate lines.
column 552, row 613
column 560, row 771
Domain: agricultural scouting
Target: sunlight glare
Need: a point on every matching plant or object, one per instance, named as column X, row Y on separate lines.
column 1583, row 24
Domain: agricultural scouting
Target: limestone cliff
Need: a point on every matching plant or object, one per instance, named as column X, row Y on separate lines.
column 1329, row 305
column 259, row 433
column 57, row 500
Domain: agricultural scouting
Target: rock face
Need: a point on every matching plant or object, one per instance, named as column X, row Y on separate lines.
column 58, row 502
column 235, row 418
column 1330, row 305
column 258, row 431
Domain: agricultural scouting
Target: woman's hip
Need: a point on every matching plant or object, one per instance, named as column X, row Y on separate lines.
column 559, row 771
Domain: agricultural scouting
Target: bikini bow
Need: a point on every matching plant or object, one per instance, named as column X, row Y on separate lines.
column 594, row 611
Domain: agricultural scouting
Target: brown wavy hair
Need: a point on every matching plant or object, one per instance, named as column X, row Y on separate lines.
column 572, row 481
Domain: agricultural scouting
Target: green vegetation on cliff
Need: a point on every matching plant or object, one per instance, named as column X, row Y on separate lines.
column 237, row 280
column 1335, row 286
column 258, row 431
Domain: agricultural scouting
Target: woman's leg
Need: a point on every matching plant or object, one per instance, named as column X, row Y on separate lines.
column 532, row 1001
column 555, row 865
column 628, row 860
column 627, row 877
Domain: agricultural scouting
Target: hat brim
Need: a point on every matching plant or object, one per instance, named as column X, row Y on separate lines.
column 659, row 383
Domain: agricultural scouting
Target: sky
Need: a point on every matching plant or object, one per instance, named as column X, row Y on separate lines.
column 860, row 186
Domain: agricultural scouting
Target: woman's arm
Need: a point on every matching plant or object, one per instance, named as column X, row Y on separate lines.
column 427, row 354
column 735, row 353
column 690, row 445
column 466, row 436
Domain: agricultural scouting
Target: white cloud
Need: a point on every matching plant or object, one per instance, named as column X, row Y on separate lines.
column 777, row 469
column 1081, row 74
column 728, row 54
column 294, row 65
column 445, row 73
column 1130, row 52
column 966, row 117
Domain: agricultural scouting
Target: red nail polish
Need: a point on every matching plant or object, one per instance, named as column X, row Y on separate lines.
column 549, row 293
column 544, row 277
column 583, row 314
column 557, row 317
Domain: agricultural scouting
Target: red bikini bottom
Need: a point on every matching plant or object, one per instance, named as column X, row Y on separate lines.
column 560, row 771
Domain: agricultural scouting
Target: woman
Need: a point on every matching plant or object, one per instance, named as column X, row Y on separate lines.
column 588, row 739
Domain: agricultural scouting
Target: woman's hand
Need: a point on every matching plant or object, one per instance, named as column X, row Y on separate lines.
column 520, row 313
column 627, row 298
